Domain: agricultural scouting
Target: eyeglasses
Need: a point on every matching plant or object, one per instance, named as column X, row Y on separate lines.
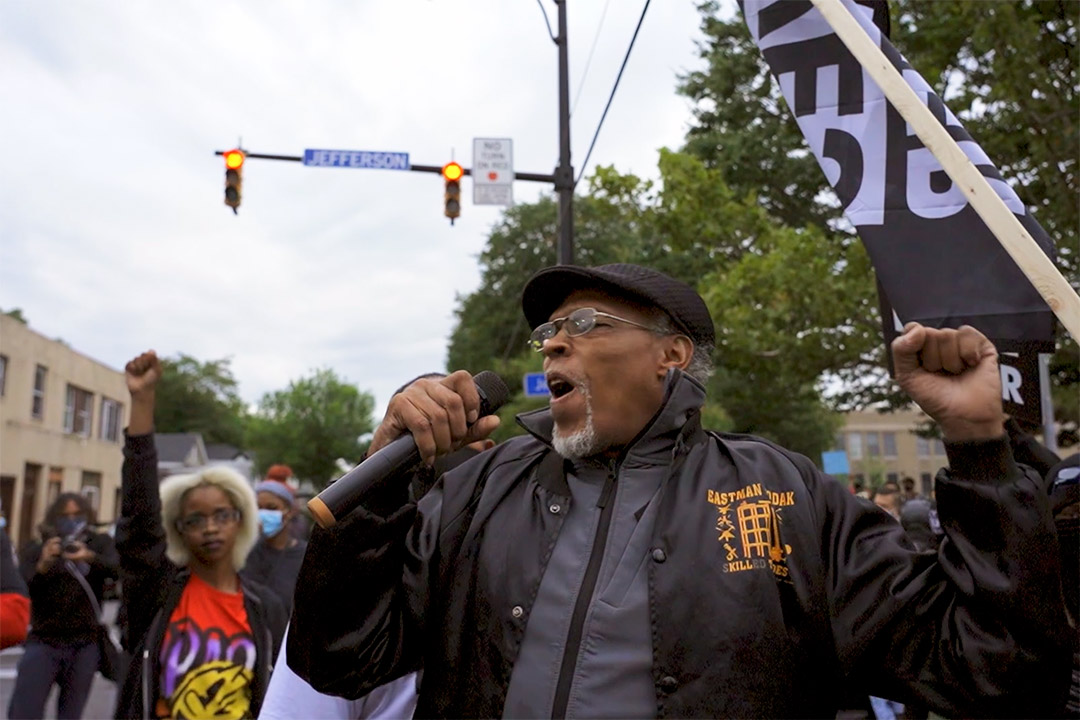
column 197, row 521
column 576, row 323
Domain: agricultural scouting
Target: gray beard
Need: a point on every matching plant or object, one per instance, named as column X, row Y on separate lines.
column 581, row 443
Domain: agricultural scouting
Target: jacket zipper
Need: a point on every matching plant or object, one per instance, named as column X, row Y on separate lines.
column 584, row 598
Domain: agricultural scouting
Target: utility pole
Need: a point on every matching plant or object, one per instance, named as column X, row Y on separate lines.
column 564, row 173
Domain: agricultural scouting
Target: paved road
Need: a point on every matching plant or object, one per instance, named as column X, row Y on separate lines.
column 102, row 694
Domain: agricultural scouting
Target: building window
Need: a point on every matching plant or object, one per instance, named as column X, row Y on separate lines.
column 922, row 446
column 939, row 447
column 893, row 477
column 109, row 427
column 873, row 444
column 91, row 488
column 3, row 374
column 37, row 406
column 78, row 411
column 855, row 445
column 927, row 483
column 890, row 444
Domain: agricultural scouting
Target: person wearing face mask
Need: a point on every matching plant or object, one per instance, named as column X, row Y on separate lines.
column 275, row 560
column 61, row 647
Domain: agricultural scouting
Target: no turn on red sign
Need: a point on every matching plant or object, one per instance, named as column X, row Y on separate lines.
column 493, row 171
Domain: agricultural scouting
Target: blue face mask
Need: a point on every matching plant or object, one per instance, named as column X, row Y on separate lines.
column 68, row 525
column 272, row 521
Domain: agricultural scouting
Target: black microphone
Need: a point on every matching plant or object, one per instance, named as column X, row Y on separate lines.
column 348, row 491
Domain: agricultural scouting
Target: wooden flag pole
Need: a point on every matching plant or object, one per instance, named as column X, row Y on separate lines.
column 1023, row 249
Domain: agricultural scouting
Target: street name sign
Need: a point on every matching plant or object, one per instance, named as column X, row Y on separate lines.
column 535, row 385
column 370, row 159
column 493, row 171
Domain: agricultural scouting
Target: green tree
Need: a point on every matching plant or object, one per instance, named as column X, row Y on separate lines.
column 16, row 314
column 201, row 397
column 310, row 424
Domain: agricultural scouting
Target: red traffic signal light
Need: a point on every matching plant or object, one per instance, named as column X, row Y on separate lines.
column 452, row 196
column 234, row 164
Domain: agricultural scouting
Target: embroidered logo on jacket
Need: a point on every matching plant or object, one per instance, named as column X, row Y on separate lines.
column 748, row 522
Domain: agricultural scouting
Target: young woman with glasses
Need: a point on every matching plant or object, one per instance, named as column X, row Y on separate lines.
column 202, row 639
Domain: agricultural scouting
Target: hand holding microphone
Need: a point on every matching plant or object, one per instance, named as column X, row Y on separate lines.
column 429, row 418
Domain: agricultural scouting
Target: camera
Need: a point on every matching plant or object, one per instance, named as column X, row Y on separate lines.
column 68, row 543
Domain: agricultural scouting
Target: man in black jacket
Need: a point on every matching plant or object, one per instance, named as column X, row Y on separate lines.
column 620, row 561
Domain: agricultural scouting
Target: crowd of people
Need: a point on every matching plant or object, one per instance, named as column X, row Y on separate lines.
column 618, row 559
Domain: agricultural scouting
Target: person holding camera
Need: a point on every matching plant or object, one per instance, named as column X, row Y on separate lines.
column 61, row 646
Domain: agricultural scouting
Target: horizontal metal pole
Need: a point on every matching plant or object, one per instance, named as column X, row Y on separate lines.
column 260, row 156
column 437, row 169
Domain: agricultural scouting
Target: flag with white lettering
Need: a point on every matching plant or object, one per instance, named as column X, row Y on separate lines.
column 938, row 262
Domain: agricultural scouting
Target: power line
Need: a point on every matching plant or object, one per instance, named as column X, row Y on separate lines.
column 612, row 95
column 548, row 22
column 588, row 61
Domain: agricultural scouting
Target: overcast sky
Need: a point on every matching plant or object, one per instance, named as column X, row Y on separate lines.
column 113, row 233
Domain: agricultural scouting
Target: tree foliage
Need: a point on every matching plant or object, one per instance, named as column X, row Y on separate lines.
column 202, row 397
column 310, row 424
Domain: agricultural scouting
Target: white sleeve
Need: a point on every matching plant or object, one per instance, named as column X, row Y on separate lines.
column 288, row 696
column 393, row 701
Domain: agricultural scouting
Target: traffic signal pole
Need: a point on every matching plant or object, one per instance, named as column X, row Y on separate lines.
column 437, row 169
column 564, row 173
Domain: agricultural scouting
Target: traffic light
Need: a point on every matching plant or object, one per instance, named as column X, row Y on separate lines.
column 452, row 173
column 234, row 167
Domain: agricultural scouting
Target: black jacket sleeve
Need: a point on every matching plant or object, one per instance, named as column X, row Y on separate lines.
column 1029, row 451
column 351, row 588
column 366, row 585
column 106, row 561
column 977, row 629
column 140, row 537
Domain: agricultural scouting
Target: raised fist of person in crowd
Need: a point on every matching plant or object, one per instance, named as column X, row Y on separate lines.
column 953, row 376
column 142, row 373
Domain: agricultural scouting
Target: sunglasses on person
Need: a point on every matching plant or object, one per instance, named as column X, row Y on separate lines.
column 576, row 324
column 197, row 521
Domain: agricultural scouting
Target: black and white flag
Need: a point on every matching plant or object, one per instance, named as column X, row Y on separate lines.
column 938, row 262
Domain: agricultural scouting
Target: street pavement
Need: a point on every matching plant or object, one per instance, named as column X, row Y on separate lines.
column 102, row 695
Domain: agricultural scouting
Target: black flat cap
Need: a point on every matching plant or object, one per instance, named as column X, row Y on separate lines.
column 547, row 289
